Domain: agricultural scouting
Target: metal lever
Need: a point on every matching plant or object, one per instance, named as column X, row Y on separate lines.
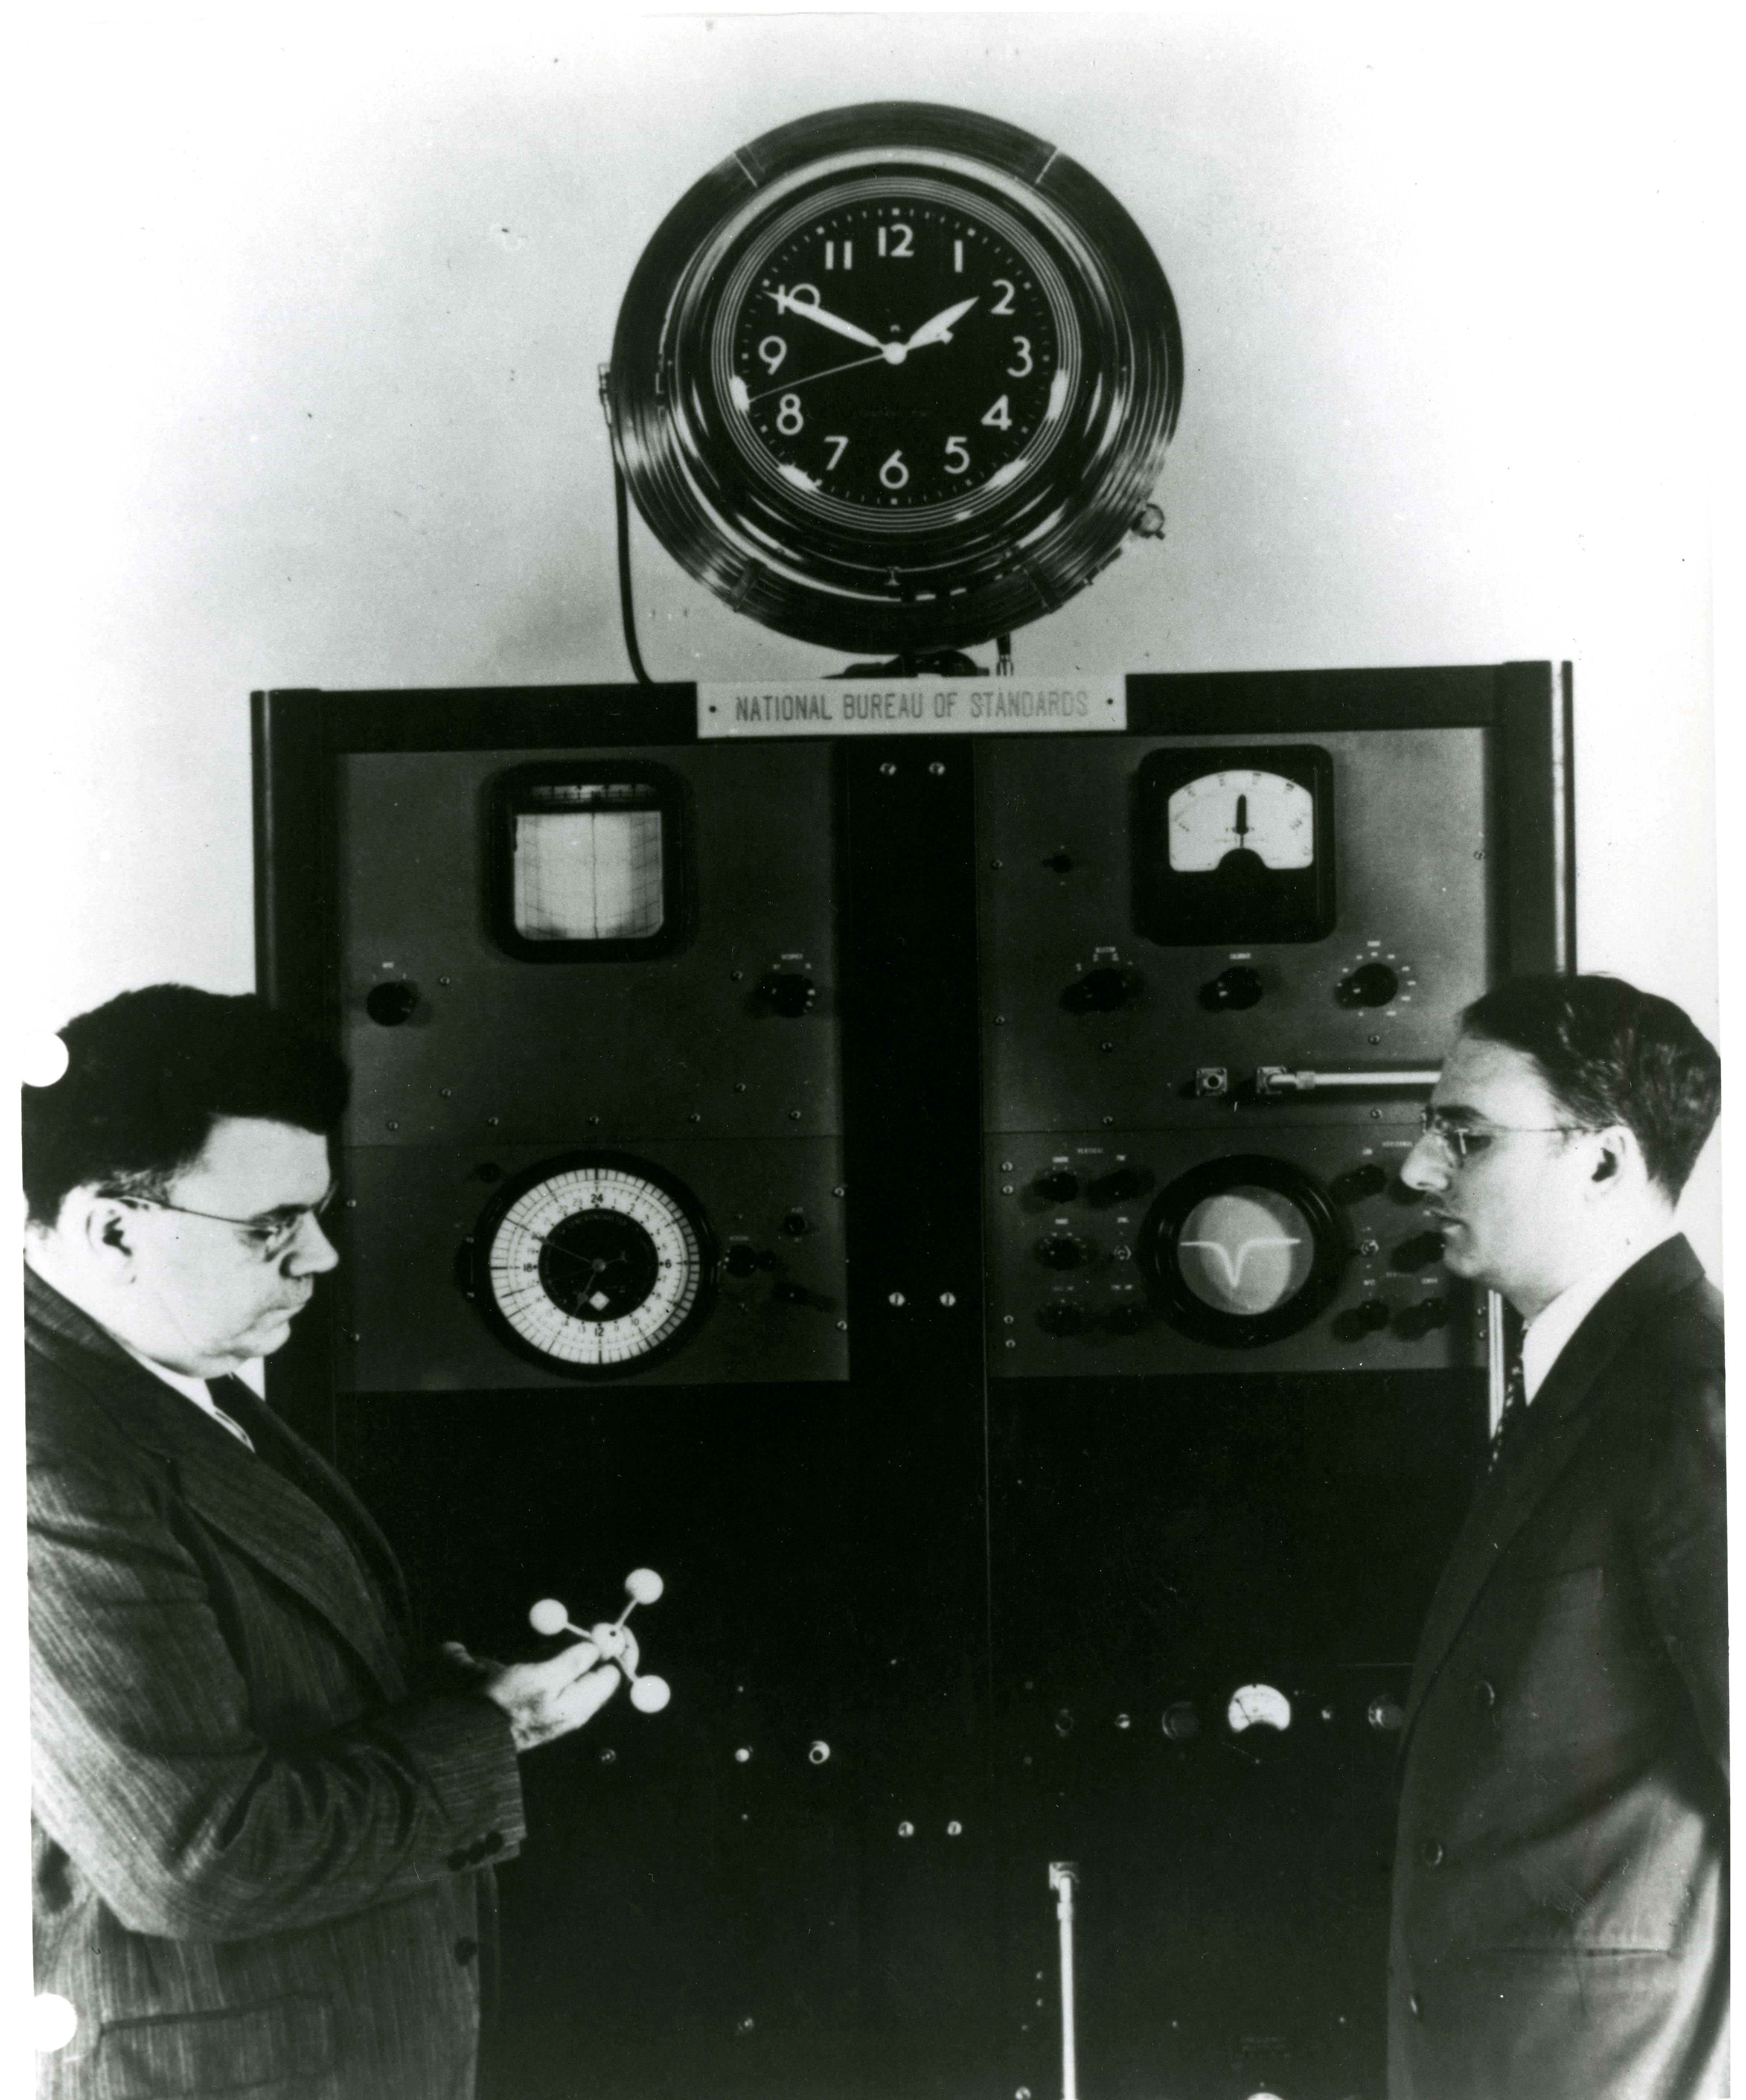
column 1271, row 1080
column 1064, row 1878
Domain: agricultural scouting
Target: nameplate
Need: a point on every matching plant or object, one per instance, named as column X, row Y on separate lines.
column 913, row 707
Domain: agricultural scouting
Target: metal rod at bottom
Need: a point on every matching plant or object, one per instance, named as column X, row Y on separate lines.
column 1064, row 1878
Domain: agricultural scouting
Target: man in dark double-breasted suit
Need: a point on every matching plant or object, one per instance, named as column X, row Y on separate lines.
column 261, row 1825
column 1560, row 1894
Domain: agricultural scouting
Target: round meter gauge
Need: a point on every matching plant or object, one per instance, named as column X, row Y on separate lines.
column 1234, row 845
column 1243, row 1250
column 1241, row 809
column 594, row 1264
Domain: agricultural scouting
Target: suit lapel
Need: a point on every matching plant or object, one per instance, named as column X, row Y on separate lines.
column 263, row 1515
column 280, row 1442
column 1558, row 1421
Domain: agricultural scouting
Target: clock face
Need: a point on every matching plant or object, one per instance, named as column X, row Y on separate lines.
column 593, row 1264
column 891, row 348
column 897, row 377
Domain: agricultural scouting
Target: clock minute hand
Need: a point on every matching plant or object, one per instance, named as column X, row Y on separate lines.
column 787, row 303
column 940, row 328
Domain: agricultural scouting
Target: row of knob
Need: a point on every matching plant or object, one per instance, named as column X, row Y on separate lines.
column 1060, row 1184
column 1109, row 987
column 791, row 994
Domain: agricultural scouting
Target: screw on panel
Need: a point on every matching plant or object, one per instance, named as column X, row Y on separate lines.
column 888, row 768
column 954, row 1828
column 609, row 1756
column 906, row 1829
column 494, row 1121
column 445, row 980
column 794, row 1115
column 897, row 1298
column 742, row 1756
column 935, row 766
column 392, row 1124
column 948, row 1298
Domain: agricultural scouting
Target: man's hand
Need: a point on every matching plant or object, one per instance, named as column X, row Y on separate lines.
column 542, row 1700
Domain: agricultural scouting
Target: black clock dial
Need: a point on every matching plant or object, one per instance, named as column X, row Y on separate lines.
column 900, row 351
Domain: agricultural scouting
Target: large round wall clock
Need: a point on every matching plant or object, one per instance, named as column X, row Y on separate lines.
column 895, row 376
column 593, row 1264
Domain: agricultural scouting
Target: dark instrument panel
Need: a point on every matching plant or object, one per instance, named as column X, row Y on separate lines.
column 935, row 1200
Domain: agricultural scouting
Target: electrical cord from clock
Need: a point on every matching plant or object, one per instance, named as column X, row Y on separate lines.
column 627, row 602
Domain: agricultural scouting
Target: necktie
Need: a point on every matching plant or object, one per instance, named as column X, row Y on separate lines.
column 1514, row 1418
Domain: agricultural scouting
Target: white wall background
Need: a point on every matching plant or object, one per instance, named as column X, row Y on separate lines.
column 315, row 393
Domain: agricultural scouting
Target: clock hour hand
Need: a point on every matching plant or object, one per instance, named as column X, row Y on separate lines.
column 940, row 328
column 787, row 302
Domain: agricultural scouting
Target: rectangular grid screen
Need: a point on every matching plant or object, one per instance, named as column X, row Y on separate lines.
column 588, row 862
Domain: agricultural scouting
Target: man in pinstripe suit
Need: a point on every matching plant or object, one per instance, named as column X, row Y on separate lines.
column 261, row 1823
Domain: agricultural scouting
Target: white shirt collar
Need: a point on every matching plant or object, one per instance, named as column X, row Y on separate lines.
column 1543, row 1337
column 196, row 1389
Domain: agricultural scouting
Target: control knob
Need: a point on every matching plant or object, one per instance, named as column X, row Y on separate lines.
column 1420, row 1319
column 1419, row 1252
column 1059, row 1185
column 390, row 1003
column 790, row 993
column 1061, row 1317
column 1365, row 1318
column 1232, row 990
column 1358, row 1182
column 1371, row 984
column 1060, row 1250
column 1100, row 991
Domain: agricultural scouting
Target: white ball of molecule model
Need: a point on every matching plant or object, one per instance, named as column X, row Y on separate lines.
column 649, row 1695
column 548, row 1617
column 644, row 1585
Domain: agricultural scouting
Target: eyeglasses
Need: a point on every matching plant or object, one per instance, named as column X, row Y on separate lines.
column 267, row 1238
column 1460, row 1140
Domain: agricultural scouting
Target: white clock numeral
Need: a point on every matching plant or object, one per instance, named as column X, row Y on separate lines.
column 894, row 473
column 999, row 417
column 1027, row 365
column 842, row 447
column 902, row 241
column 789, row 420
column 958, row 257
column 849, row 255
column 772, row 350
column 1003, row 304
column 802, row 296
column 957, row 456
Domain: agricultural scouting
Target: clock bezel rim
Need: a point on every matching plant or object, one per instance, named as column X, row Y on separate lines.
column 1005, row 577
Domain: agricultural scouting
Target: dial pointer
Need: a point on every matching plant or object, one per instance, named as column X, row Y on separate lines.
column 788, row 303
column 940, row 328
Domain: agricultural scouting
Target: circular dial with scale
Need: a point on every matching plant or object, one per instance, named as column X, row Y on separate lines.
column 895, row 376
column 596, row 1265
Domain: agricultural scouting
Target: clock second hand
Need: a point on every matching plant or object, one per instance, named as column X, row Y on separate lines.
column 788, row 386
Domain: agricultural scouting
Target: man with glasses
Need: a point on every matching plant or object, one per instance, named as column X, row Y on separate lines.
column 262, row 1822
column 1560, row 1879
